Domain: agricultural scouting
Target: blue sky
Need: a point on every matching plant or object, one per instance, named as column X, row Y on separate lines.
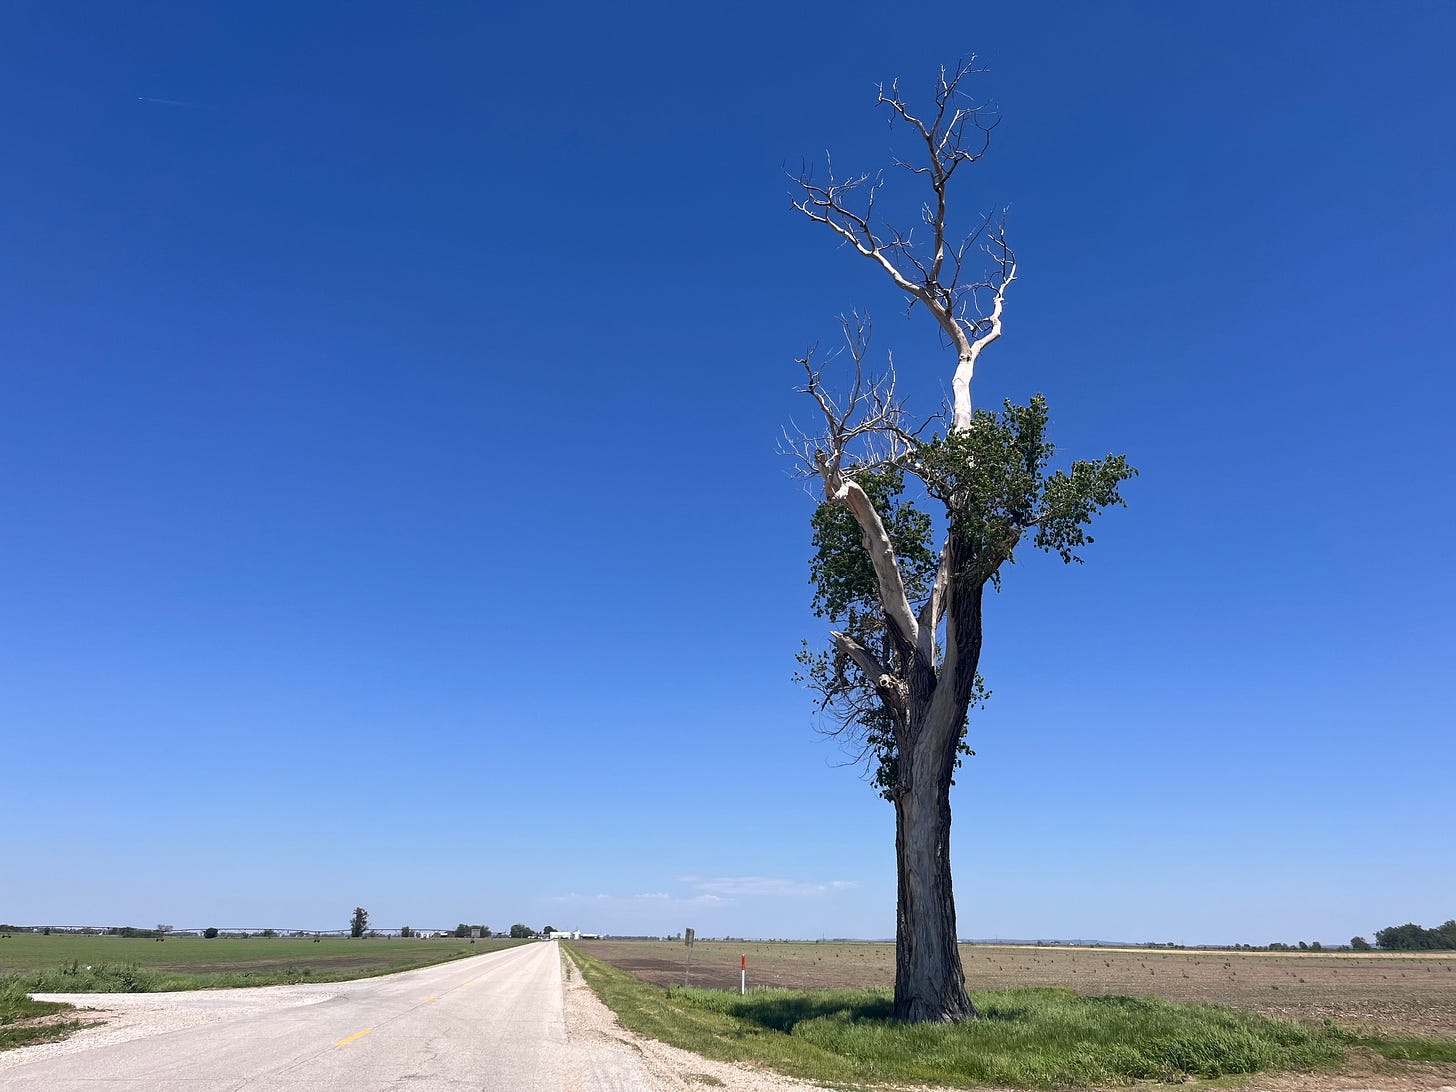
column 393, row 514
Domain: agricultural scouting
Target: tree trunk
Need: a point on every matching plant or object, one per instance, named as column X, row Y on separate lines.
column 930, row 984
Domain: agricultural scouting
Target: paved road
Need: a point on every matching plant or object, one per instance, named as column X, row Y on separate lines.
column 489, row 1022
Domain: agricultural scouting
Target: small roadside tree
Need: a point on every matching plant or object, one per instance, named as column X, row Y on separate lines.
column 359, row 922
column 1360, row 944
column 900, row 673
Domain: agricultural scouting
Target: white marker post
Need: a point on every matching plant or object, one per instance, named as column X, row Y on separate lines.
column 743, row 974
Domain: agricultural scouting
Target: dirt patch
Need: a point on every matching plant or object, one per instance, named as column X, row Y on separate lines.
column 76, row 1018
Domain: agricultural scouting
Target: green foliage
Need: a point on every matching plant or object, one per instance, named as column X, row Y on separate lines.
column 841, row 571
column 359, row 922
column 1360, row 944
column 210, row 933
column 992, row 484
column 1412, row 938
column 992, row 479
column 522, row 932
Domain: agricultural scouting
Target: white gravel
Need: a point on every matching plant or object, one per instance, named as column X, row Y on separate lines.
column 120, row 1017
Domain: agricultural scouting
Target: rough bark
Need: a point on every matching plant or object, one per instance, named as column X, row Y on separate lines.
column 930, row 982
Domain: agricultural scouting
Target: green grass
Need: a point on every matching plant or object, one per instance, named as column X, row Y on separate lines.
column 16, row 1010
column 71, row 963
column 1026, row 1038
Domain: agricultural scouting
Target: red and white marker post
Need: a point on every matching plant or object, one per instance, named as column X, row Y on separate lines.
column 743, row 974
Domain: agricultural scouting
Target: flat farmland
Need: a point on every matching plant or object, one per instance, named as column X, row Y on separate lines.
column 1405, row 993
column 67, row 962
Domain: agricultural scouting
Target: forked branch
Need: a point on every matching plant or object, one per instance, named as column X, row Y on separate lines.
column 968, row 313
column 867, row 428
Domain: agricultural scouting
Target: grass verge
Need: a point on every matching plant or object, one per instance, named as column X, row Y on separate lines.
column 24, row 1022
column 1026, row 1038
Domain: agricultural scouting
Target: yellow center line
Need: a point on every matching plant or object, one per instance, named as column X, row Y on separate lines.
column 356, row 1035
column 434, row 998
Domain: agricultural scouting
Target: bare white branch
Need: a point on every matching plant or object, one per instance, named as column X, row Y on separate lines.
column 984, row 329
column 885, row 682
column 933, row 609
column 866, row 429
column 958, row 131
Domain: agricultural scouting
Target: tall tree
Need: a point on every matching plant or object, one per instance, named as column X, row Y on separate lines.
column 899, row 675
column 358, row 922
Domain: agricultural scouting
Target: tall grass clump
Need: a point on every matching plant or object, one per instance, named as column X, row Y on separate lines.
column 75, row 977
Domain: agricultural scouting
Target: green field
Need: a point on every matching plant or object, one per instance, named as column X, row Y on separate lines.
column 73, row 963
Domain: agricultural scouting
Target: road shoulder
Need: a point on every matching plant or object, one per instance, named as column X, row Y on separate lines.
column 593, row 1026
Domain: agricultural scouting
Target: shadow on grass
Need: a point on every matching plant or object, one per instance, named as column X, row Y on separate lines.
column 785, row 1013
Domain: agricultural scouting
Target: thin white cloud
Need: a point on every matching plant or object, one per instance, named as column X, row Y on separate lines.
column 760, row 886
column 710, row 891
column 651, row 898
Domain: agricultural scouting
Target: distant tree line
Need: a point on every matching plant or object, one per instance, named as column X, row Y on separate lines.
column 1413, row 938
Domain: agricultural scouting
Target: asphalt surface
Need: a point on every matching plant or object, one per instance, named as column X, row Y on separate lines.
column 488, row 1022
